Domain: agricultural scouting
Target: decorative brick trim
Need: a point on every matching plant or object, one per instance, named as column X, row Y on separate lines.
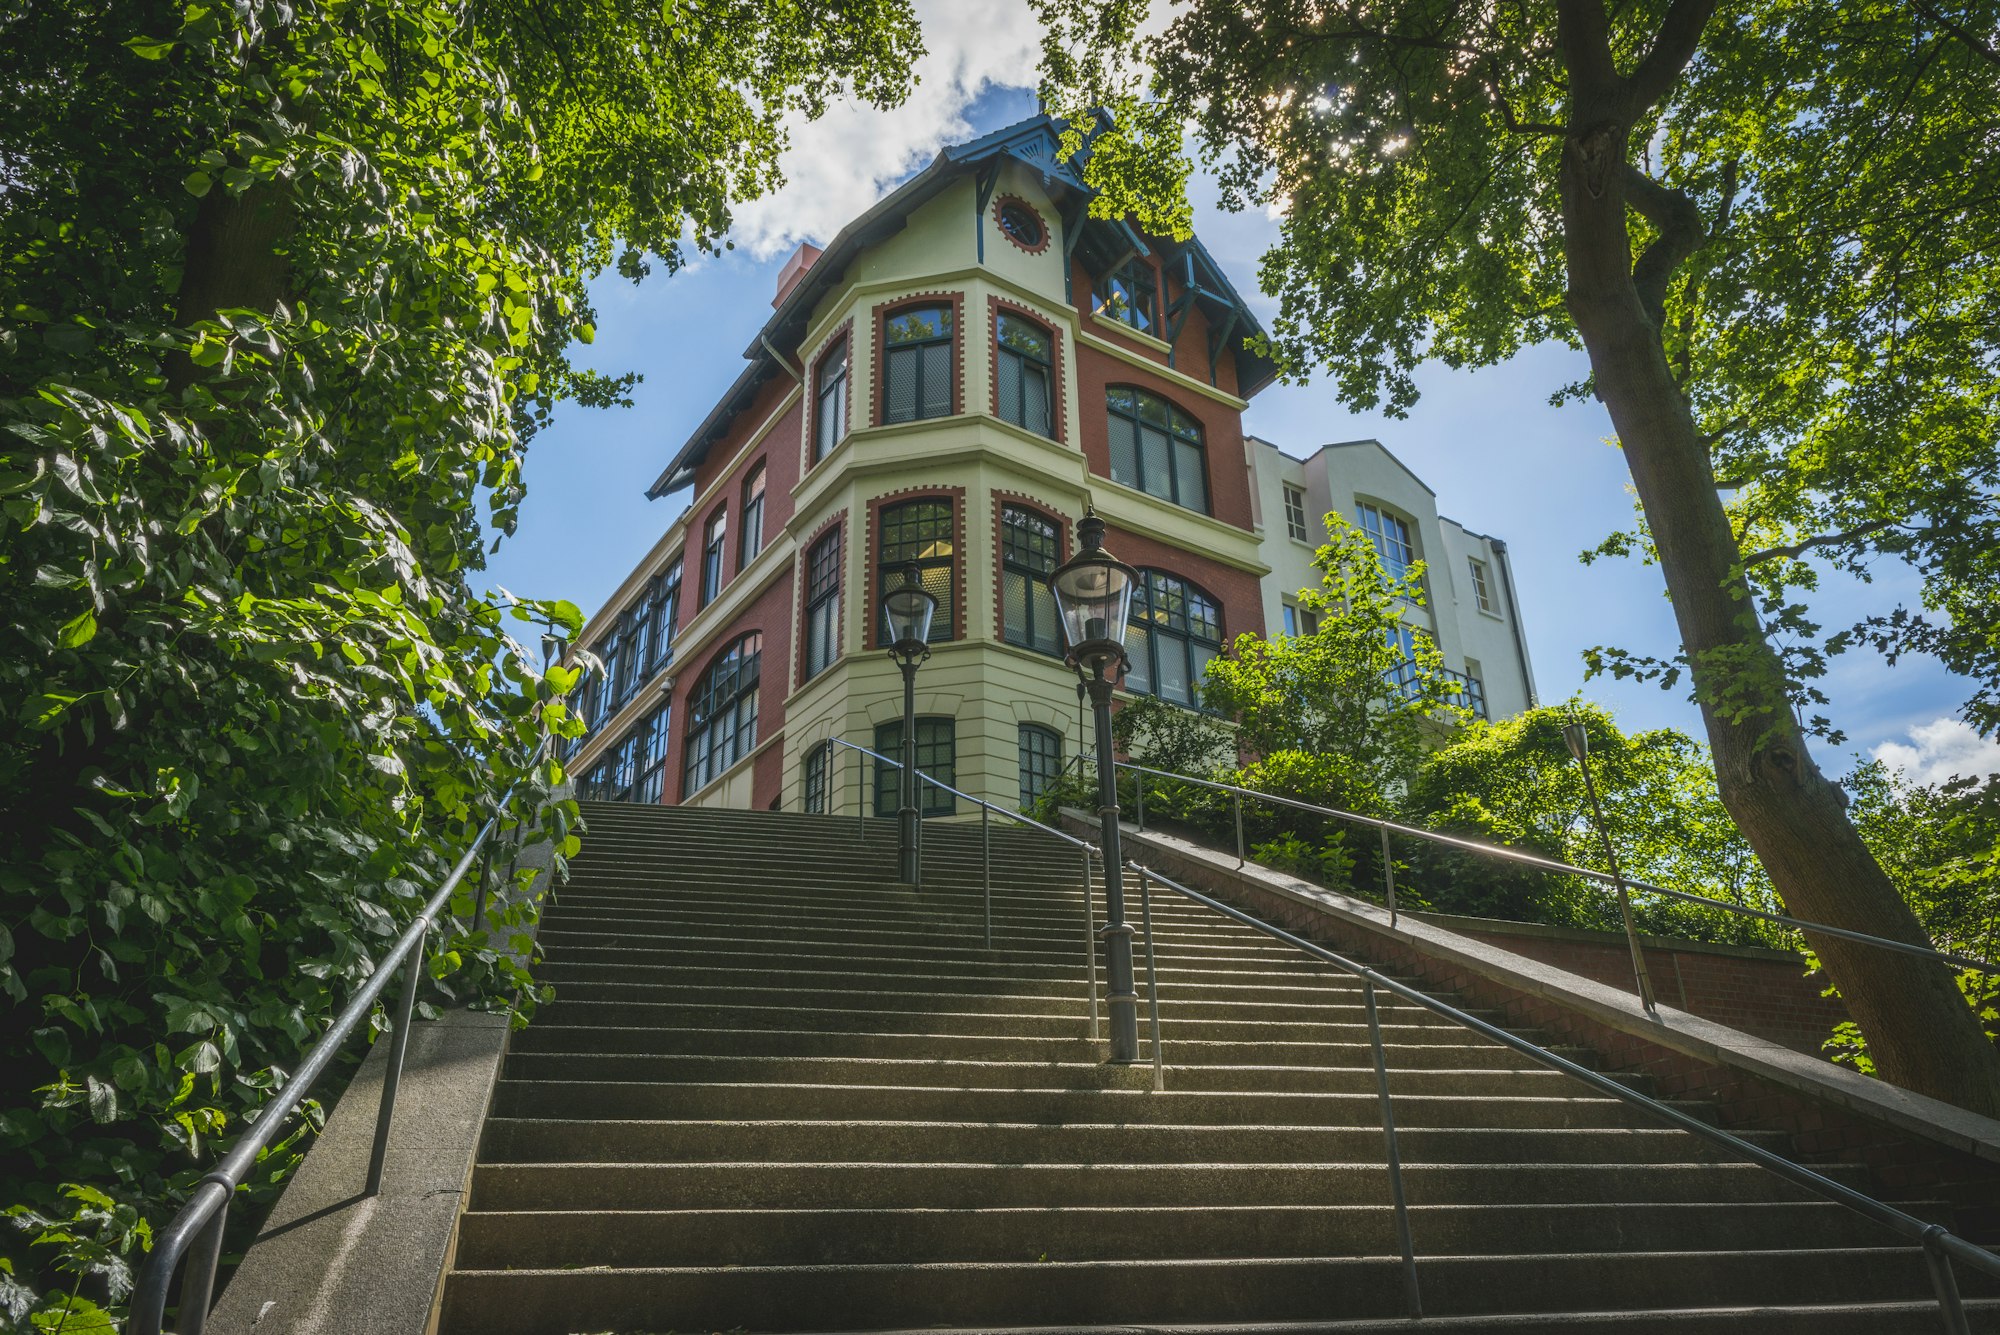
column 1058, row 403
column 846, row 330
column 1004, row 200
column 880, row 315
column 1000, row 500
column 801, row 593
column 869, row 562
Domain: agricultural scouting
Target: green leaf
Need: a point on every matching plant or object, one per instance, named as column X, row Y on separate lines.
column 197, row 183
column 150, row 48
column 78, row 630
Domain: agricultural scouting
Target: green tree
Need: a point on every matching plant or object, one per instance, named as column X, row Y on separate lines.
column 1346, row 713
column 287, row 287
column 1772, row 233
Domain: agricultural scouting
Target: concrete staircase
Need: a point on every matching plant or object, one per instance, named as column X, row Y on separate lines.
column 778, row 1093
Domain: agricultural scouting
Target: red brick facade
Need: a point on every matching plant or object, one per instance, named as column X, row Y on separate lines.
column 1221, row 429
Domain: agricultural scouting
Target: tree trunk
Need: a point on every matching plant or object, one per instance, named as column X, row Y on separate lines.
column 235, row 259
column 1921, row 1033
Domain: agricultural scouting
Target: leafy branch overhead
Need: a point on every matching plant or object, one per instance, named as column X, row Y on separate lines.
column 288, row 287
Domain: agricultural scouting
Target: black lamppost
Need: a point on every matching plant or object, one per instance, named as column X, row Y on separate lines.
column 907, row 611
column 1093, row 592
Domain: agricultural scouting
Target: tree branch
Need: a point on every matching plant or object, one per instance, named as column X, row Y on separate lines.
column 1805, row 545
column 1680, row 36
column 1681, row 229
column 1979, row 46
column 1584, row 37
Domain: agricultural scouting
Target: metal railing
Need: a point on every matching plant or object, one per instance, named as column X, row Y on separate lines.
column 1940, row 1246
column 1617, row 881
column 196, row 1232
column 987, row 810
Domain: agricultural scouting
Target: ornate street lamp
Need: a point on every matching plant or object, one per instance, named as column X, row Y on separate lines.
column 906, row 612
column 1093, row 592
column 1578, row 742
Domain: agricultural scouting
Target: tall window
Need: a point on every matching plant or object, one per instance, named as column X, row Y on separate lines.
column 917, row 370
column 1130, row 296
column 615, row 649
column 752, row 538
column 814, row 797
column 1156, row 447
column 1474, row 683
column 1041, row 761
column 651, row 759
column 1402, row 677
column 1391, row 536
column 1023, row 366
column 919, row 531
column 589, row 704
column 711, row 556
column 630, row 771
column 664, row 603
column 822, row 604
column 937, row 756
column 1480, row 589
column 1027, row 555
column 1175, row 629
column 830, row 401
column 722, row 713
column 1295, row 513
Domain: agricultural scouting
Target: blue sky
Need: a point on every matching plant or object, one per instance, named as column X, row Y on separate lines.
column 1500, row 458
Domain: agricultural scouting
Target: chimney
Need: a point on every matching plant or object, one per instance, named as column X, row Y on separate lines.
column 794, row 270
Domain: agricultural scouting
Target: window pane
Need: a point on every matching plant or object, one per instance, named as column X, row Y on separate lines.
column 1174, row 670
column 1035, row 399
column 1041, row 761
column 1027, row 339
column 1048, row 632
column 1156, row 476
column 922, row 324
column 1014, row 607
column 1187, row 476
column 899, row 400
column 1139, row 648
column 1124, row 451
column 937, row 381
column 1009, row 370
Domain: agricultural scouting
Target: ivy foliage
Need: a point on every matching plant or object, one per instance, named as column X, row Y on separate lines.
column 284, row 289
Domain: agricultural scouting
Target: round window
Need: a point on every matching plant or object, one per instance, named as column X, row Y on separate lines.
column 1019, row 222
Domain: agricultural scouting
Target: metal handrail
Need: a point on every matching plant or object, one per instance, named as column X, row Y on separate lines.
column 987, row 809
column 200, row 1222
column 1539, row 863
column 1941, row 1246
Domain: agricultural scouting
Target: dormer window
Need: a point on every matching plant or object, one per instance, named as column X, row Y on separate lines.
column 1130, row 296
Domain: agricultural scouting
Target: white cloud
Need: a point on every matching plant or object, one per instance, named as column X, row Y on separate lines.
column 1939, row 750
column 840, row 164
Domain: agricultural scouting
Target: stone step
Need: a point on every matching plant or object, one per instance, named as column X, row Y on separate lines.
column 796, row 1297
column 813, row 1140
column 693, row 1237
column 914, row 1184
column 640, row 1100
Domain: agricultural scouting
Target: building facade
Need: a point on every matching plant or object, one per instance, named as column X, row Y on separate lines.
column 1470, row 609
column 950, row 382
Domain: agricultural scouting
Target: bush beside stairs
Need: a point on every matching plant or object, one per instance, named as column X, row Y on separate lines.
column 779, row 1092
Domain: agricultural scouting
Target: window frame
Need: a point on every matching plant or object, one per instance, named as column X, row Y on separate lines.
column 944, row 344
column 663, row 596
column 815, row 770
column 820, row 616
column 1034, row 580
column 1195, row 437
column 743, row 658
column 1030, row 794
column 750, row 524
column 1295, row 513
column 829, row 426
column 1117, row 302
column 1153, row 617
column 931, row 800
column 1005, row 354
column 944, row 625
column 1383, row 537
column 1481, row 590
column 714, row 553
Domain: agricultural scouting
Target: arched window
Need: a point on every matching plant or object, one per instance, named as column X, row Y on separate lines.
column 1041, row 761
column 1023, row 373
column 916, row 364
column 1176, row 628
column 722, row 713
column 1390, row 533
column 1028, row 552
column 1156, row 447
column 830, row 401
column 751, row 539
column 919, row 532
column 813, row 801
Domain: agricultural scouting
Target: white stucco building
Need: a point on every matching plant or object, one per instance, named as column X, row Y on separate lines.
column 1471, row 609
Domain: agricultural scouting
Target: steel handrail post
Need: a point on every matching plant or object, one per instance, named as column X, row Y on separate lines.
column 1152, row 976
column 986, row 866
column 1139, row 788
column 1917, row 1230
column 1514, row 855
column 1413, row 1298
column 1951, row 1306
column 479, row 896
column 204, row 1259
column 1389, row 876
column 1090, row 944
column 392, row 1079
column 1640, row 975
column 1239, row 829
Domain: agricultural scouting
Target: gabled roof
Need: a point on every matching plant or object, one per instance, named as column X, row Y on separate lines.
column 1105, row 243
